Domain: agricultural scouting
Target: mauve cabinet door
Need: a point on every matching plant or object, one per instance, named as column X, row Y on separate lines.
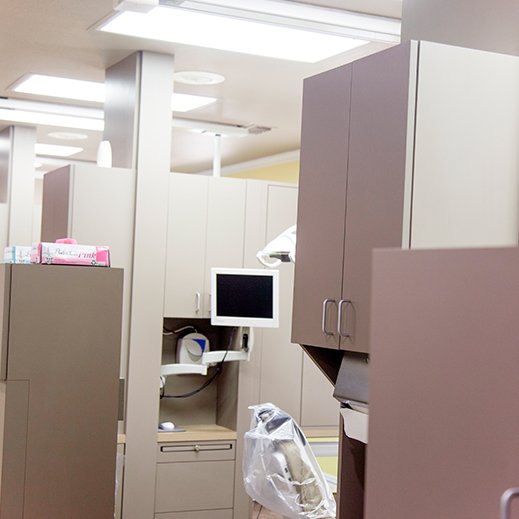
column 444, row 384
column 321, row 207
column 377, row 177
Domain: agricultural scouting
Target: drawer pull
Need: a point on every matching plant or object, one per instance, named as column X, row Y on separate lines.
column 197, row 447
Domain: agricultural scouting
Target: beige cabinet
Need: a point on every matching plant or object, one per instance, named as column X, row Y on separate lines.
column 94, row 206
column 391, row 161
column 206, row 220
column 195, row 477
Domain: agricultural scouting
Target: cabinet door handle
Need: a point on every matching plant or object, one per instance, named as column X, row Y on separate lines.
column 324, row 314
column 506, row 499
column 340, row 331
column 197, row 302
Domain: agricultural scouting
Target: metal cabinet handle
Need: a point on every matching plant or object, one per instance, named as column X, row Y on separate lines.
column 196, row 448
column 340, row 331
column 506, row 499
column 197, row 302
column 324, row 314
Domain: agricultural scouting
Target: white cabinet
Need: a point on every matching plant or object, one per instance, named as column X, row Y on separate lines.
column 206, row 222
column 187, row 230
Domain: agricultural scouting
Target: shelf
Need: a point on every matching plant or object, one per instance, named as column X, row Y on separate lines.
column 182, row 369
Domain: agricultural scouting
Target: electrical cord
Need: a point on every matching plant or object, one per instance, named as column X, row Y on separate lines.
column 219, row 369
column 167, row 331
column 260, row 510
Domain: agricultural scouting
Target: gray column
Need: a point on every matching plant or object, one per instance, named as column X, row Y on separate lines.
column 476, row 24
column 17, row 157
column 138, row 125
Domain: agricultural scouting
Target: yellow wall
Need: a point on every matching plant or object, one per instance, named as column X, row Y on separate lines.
column 287, row 172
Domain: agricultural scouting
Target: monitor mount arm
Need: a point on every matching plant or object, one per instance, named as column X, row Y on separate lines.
column 211, row 358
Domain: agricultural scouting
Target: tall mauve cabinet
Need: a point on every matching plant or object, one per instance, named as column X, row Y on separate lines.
column 412, row 147
column 59, row 390
column 444, row 421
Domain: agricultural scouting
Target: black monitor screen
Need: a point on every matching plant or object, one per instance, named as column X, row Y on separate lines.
column 239, row 295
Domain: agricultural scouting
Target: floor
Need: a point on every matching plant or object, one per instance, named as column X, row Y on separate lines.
column 259, row 512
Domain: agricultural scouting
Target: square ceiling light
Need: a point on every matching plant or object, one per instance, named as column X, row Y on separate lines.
column 46, row 114
column 230, row 33
column 56, row 150
column 298, row 14
column 78, row 89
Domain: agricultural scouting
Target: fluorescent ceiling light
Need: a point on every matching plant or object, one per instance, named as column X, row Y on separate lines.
column 188, row 102
column 376, row 28
column 47, row 119
column 231, row 34
column 66, row 88
column 51, row 114
column 68, row 136
column 56, row 150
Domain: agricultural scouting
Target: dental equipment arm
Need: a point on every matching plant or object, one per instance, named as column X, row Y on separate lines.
column 281, row 249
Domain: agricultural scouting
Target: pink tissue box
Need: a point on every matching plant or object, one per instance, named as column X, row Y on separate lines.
column 70, row 254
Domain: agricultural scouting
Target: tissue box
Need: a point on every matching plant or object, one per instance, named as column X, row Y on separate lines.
column 70, row 254
column 17, row 254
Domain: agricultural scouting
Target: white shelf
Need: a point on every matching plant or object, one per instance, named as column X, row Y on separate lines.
column 182, row 369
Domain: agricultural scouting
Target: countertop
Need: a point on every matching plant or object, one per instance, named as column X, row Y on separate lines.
column 213, row 432
column 197, row 433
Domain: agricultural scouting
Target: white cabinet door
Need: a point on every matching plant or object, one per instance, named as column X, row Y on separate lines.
column 186, row 245
column 466, row 155
column 225, row 229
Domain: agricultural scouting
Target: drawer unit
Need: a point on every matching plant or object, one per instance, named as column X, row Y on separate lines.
column 196, row 451
column 195, row 477
column 199, row 514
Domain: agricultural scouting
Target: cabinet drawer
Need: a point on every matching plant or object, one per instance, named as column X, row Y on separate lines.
column 188, row 486
column 196, row 451
column 198, row 514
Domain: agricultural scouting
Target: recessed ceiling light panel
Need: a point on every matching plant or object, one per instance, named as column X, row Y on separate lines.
column 54, row 86
column 293, row 12
column 187, row 102
column 66, row 88
column 47, row 119
column 55, row 150
column 68, row 136
column 198, row 77
column 230, row 34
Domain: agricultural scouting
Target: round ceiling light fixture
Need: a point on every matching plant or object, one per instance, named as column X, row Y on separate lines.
column 198, row 77
column 68, row 136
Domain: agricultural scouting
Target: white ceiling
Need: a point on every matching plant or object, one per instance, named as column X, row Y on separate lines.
column 53, row 37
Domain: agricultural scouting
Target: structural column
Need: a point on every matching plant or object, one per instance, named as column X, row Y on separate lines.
column 138, row 126
column 17, row 157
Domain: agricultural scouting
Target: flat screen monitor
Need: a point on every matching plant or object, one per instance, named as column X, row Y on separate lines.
column 245, row 297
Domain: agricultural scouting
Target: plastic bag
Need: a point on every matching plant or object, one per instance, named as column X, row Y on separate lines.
column 280, row 471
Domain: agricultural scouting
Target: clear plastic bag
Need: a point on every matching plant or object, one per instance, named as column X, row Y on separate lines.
column 280, row 470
